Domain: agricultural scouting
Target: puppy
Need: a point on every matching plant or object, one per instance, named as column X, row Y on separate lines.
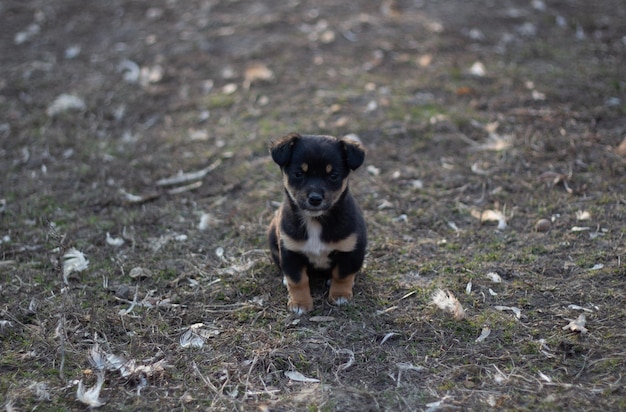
column 319, row 229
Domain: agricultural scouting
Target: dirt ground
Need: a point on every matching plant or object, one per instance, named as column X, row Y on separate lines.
column 134, row 136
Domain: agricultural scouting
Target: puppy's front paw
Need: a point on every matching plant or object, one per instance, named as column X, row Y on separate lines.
column 340, row 298
column 300, row 300
column 300, row 308
column 340, row 289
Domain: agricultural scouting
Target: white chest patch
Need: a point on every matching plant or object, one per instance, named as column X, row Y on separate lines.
column 314, row 244
column 316, row 250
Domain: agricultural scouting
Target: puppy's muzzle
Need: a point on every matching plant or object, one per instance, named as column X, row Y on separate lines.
column 315, row 199
column 314, row 202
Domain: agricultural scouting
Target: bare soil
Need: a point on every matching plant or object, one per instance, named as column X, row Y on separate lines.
column 136, row 133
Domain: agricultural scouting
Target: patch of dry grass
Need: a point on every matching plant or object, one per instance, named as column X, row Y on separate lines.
column 165, row 186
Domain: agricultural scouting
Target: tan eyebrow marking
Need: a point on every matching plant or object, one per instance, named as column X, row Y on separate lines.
column 304, row 167
column 329, row 168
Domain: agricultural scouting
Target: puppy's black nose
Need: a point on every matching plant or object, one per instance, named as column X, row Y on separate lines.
column 315, row 199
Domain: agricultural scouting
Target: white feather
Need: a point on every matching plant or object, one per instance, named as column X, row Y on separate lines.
column 73, row 261
column 91, row 396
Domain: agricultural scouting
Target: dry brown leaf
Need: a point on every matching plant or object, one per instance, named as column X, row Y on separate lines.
column 207, row 220
column 446, row 301
column 389, row 8
column 229, row 89
column 495, row 142
column 490, row 216
column 555, row 178
column 583, row 215
column 191, row 339
column 464, row 90
column 484, row 334
column 425, row 60
column 298, row 377
column 517, row 311
column 580, row 228
column 494, row 277
column 140, row 272
column 577, row 325
column 255, row 72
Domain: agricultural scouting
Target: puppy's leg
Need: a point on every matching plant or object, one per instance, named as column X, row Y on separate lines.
column 300, row 300
column 272, row 237
column 347, row 265
column 341, row 287
column 296, row 278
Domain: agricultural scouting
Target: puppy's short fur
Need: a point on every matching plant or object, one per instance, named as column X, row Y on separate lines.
column 319, row 228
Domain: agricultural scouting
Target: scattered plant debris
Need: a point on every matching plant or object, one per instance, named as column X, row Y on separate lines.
column 446, row 301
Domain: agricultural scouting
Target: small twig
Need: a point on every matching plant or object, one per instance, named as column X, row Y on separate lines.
column 7, row 262
column 585, row 359
column 254, row 361
column 182, row 189
column 467, row 140
column 133, row 303
column 189, row 177
column 201, row 376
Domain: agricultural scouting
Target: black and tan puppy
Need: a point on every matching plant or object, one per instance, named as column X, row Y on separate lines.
column 319, row 229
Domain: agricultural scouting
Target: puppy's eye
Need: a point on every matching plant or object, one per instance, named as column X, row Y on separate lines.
column 298, row 174
column 334, row 176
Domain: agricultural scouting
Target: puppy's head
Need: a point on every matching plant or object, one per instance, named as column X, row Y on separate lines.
column 316, row 168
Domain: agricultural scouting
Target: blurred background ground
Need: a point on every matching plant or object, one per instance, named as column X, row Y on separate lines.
column 136, row 133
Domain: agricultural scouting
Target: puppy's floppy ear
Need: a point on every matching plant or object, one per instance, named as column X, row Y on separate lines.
column 354, row 151
column 281, row 148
